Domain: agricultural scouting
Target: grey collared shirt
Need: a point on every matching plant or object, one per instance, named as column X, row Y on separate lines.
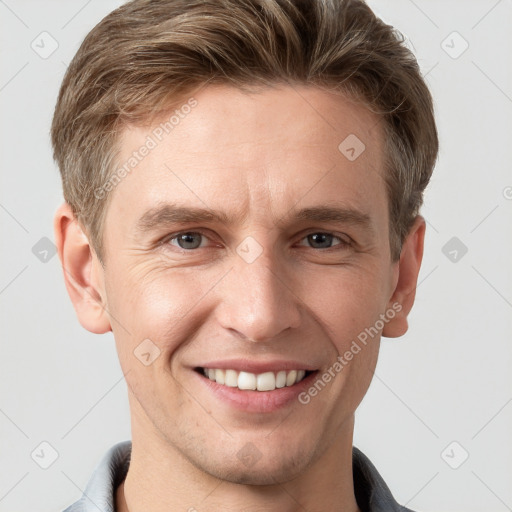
column 372, row 493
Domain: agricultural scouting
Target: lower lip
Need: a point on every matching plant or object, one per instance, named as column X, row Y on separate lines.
column 256, row 401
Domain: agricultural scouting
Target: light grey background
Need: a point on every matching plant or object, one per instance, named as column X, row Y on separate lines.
column 447, row 380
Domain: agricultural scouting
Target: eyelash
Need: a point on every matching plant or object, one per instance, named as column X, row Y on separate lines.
column 343, row 243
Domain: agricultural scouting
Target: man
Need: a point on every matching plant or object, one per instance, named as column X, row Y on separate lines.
column 242, row 183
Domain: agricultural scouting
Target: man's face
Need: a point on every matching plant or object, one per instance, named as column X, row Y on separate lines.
column 291, row 265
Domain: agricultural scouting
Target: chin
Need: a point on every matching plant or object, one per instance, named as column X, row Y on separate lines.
column 248, row 477
column 276, row 471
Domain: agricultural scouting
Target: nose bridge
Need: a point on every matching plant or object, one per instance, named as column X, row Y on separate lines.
column 258, row 303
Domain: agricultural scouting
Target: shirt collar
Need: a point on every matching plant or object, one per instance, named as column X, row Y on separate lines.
column 372, row 493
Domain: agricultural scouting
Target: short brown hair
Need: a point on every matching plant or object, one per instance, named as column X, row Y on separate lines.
column 146, row 54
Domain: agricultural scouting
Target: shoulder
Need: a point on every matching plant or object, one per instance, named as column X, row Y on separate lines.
column 108, row 474
column 372, row 493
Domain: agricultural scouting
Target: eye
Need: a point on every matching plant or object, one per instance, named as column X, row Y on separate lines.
column 323, row 240
column 188, row 240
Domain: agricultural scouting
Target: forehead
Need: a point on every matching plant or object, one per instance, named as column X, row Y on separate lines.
column 260, row 152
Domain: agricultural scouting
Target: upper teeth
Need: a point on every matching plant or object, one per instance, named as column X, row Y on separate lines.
column 267, row 381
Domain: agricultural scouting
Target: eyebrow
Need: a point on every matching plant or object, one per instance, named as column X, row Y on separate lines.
column 335, row 214
column 168, row 214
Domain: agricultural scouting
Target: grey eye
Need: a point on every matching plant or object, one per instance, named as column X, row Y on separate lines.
column 187, row 240
column 320, row 240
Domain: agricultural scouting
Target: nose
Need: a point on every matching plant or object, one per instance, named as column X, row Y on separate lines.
column 258, row 302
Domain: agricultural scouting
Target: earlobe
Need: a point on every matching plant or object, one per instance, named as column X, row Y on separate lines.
column 82, row 272
column 404, row 293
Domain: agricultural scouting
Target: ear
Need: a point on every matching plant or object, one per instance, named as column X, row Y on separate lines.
column 408, row 269
column 83, row 273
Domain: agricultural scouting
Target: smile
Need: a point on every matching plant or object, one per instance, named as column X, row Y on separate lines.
column 267, row 381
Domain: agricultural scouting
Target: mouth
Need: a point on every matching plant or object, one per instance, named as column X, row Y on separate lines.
column 262, row 392
column 247, row 381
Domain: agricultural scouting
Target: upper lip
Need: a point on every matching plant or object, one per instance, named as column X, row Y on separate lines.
column 251, row 366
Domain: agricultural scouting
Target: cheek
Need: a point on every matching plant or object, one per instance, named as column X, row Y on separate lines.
column 156, row 303
column 345, row 300
column 346, row 304
column 155, row 312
